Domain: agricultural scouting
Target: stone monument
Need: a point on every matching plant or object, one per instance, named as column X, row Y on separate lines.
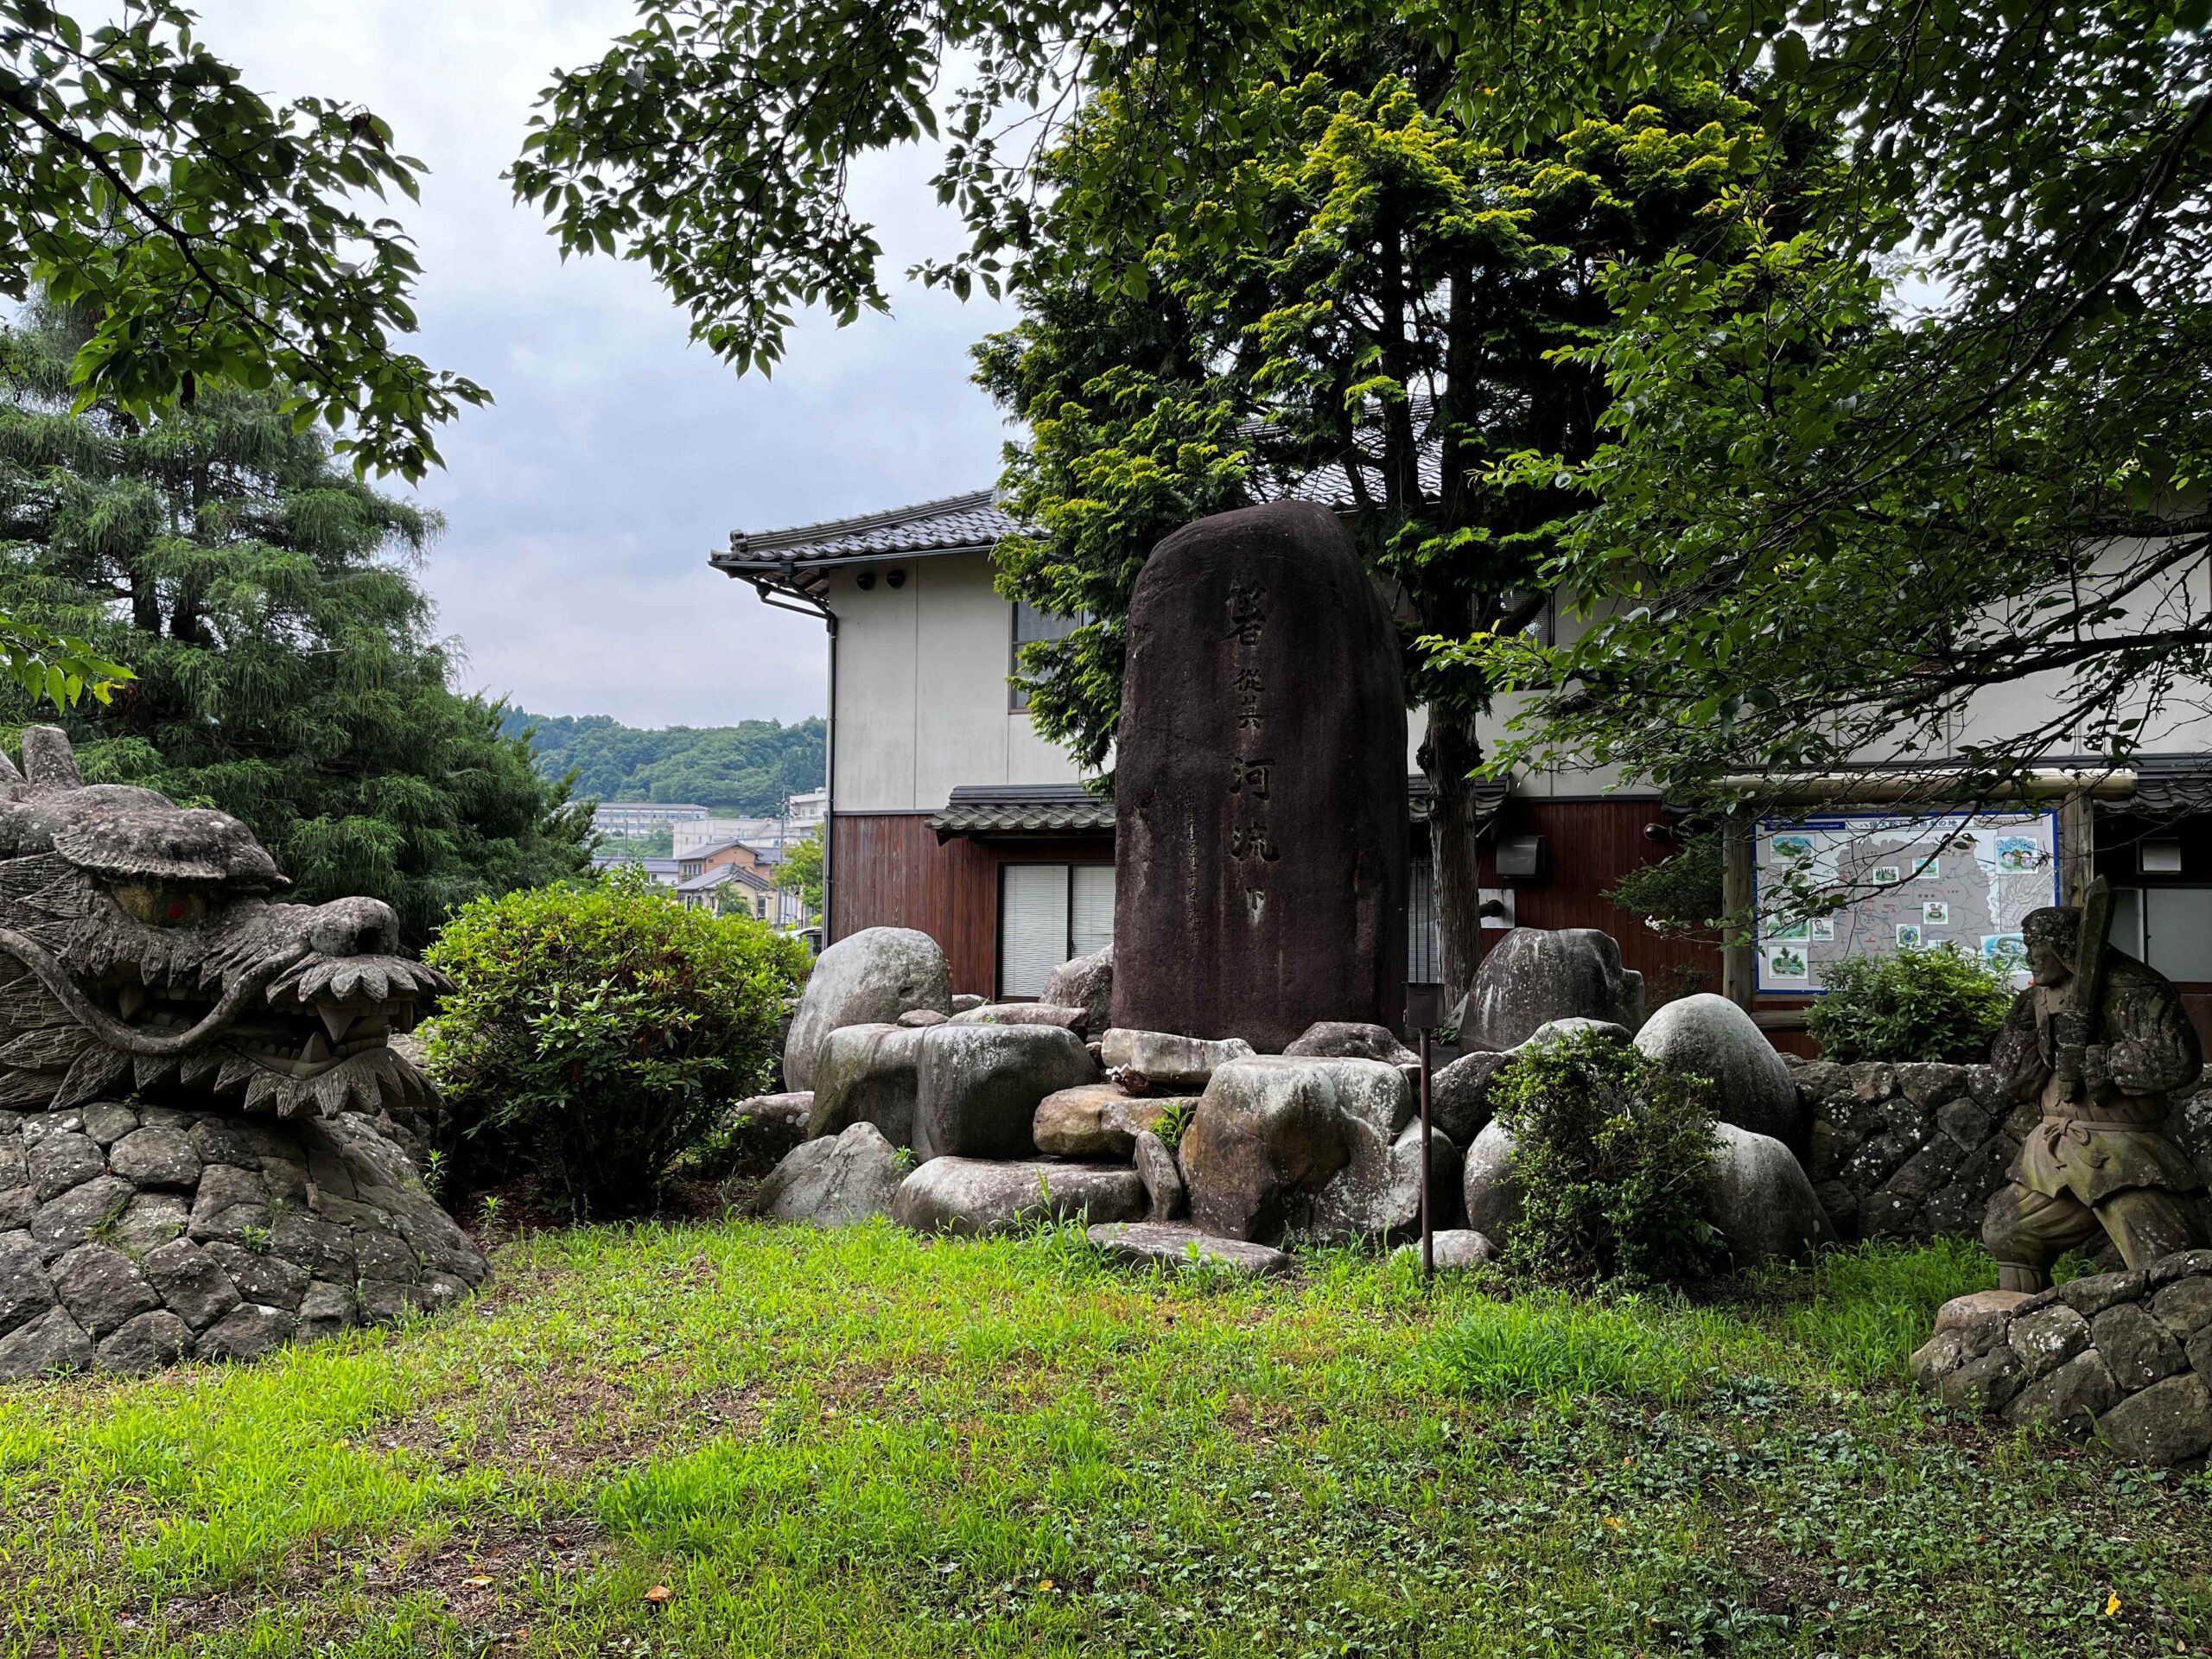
column 204, row 1140
column 1261, row 857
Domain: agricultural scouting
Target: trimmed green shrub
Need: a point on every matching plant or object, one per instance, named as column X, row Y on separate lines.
column 1610, row 1155
column 1940, row 1004
column 595, row 1032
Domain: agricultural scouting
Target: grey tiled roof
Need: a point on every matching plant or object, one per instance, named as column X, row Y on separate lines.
column 1069, row 808
column 1022, row 809
column 974, row 522
column 955, row 524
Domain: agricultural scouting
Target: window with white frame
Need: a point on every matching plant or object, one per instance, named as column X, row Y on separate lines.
column 1049, row 914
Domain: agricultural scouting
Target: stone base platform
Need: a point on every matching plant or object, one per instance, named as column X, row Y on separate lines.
column 2126, row 1356
column 133, row 1236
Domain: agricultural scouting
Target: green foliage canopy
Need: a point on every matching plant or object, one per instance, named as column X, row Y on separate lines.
column 287, row 672
column 1815, row 521
column 749, row 769
column 597, row 1032
column 217, row 239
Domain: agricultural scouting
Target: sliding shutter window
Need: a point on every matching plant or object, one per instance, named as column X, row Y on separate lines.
column 1032, row 926
column 1091, row 914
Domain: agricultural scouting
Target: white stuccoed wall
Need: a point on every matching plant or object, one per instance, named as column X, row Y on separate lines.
column 922, row 693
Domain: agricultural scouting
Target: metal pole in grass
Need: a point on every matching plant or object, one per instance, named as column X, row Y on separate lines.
column 1424, row 1009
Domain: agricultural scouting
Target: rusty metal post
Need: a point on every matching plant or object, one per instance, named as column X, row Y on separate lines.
column 1428, row 1221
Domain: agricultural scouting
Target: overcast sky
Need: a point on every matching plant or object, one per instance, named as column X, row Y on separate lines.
column 581, row 507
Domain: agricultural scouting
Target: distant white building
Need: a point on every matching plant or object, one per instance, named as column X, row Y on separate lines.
column 642, row 817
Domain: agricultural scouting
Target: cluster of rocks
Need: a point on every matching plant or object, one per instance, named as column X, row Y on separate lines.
column 136, row 1236
column 2125, row 1356
column 1915, row 1151
column 985, row 1118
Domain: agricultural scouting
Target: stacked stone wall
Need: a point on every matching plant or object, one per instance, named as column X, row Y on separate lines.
column 133, row 1236
column 1915, row 1150
column 2123, row 1356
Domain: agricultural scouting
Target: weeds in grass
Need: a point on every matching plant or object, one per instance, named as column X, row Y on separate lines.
column 1548, row 1346
column 866, row 1442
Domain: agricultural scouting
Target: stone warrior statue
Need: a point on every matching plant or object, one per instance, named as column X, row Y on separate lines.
column 2101, row 1156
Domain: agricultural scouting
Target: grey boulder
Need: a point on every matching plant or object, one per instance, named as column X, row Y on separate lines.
column 1085, row 982
column 52, row 1342
column 867, row 1074
column 1165, row 1062
column 1488, row 1191
column 1534, row 975
column 869, row 978
column 975, row 1196
column 1095, row 1120
column 1164, row 1198
column 838, row 1181
column 1459, row 1094
column 1271, row 1131
column 1759, row 1198
column 1152, row 1243
column 1351, row 1040
column 978, row 1086
column 1710, row 1037
column 1074, row 1019
column 1376, row 1195
column 1453, row 1248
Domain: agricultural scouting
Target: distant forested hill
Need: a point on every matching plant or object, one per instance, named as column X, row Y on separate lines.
column 744, row 770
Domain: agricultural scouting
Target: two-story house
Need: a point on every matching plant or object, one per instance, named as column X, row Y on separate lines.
column 946, row 812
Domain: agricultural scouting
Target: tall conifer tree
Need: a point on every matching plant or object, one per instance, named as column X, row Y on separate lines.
column 287, row 672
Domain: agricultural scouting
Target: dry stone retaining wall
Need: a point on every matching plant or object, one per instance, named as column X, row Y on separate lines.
column 2125, row 1356
column 1913, row 1150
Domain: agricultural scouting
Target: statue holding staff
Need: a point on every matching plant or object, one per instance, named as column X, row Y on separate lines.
column 2102, row 1041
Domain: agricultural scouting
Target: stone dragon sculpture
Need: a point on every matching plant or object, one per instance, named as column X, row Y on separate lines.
column 141, row 946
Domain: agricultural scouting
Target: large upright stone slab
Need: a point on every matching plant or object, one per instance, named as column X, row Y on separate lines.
column 1260, row 785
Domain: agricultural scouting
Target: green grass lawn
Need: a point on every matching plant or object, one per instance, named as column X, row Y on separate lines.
column 740, row 1439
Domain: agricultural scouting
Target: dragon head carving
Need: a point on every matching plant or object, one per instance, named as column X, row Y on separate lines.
column 141, row 945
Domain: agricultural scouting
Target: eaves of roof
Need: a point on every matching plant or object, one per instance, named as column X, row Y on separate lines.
column 974, row 523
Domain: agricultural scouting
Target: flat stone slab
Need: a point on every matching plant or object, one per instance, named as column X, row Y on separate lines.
column 976, row 1195
column 1143, row 1244
column 1455, row 1248
column 1965, row 1310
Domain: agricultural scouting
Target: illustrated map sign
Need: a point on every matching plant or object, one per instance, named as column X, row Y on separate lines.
column 1966, row 880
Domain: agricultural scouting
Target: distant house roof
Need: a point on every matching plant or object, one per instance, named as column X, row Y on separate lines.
column 719, row 847
column 723, row 875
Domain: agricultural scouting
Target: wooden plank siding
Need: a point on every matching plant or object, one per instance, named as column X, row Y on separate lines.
column 888, row 870
column 1588, row 846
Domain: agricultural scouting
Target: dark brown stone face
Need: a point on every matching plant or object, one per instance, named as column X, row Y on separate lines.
column 1259, row 881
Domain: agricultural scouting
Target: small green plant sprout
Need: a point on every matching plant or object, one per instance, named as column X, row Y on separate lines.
column 1172, row 1122
column 257, row 1239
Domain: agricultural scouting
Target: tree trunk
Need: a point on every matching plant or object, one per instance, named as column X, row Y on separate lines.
column 1448, row 754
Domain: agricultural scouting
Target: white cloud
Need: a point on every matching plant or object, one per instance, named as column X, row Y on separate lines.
column 581, row 509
